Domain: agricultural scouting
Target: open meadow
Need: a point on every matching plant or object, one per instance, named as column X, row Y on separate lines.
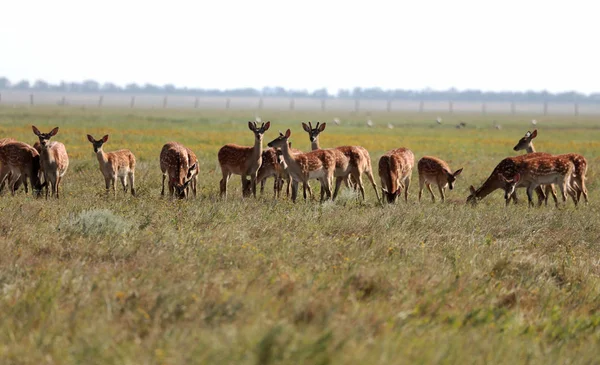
column 148, row 280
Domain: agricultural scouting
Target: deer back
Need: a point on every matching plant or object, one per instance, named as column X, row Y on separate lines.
column 433, row 169
column 19, row 156
column 237, row 159
column 120, row 161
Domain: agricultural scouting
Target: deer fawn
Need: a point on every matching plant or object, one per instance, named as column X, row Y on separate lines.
column 54, row 160
column 20, row 162
column 318, row 164
column 176, row 164
column 351, row 163
column 579, row 163
column 395, row 169
column 432, row 170
column 538, row 171
column 242, row 160
column 5, row 170
column 117, row 164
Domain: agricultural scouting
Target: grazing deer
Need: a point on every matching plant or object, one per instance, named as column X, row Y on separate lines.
column 176, row 163
column 432, row 170
column 395, row 169
column 542, row 170
column 579, row 162
column 117, row 164
column 20, row 162
column 242, row 160
column 54, row 160
column 318, row 164
column 359, row 161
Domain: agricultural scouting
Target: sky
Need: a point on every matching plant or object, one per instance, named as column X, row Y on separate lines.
column 437, row 44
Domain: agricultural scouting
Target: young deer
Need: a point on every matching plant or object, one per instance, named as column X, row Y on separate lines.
column 242, row 160
column 579, row 162
column 54, row 160
column 176, row 163
column 270, row 167
column 319, row 164
column 432, row 170
column 20, row 162
column 117, row 164
column 395, row 169
column 535, row 172
column 359, row 161
column 5, row 170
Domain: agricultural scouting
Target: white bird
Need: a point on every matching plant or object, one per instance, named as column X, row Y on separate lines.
column 533, row 122
column 369, row 123
column 258, row 120
column 439, row 120
column 337, row 121
column 390, row 126
column 498, row 126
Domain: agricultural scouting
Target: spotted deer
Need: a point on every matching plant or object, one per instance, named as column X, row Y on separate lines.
column 54, row 160
column 5, row 170
column 117, row 164
column 318, row 164
column 537, row 171
column 242, row 160
column 20, row 162
column 176, row 164
column 432, row 170
column 350, row 172
column 395, row 170
column 276, row 166
column 579, row 163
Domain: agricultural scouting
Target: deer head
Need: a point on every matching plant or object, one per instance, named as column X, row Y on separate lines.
column 525, row 141
column 452, row 177
column 280, row 141
column 258, row 132
column 391, row 196
column 472, row 199
column 44, row 137
column 97, row 144
column 180, row 189
column 313, row 133
column 509, row 185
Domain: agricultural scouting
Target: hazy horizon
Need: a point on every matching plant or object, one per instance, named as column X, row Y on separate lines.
column 309, row 45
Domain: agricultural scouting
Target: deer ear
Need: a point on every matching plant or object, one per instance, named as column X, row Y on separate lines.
column 54, row 131
column 457, row 172
column 105, row 138
column 90, row 138
column 288, row 133
column 250, row 126
column 534, row 134
column 266, row 127
column 35, row 130
column 322, row 127
column 472, row 189
column 305, row 127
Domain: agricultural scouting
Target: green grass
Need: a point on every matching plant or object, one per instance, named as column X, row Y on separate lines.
column 148, row 280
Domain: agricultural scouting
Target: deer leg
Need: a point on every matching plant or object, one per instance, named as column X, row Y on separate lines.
column 194, row 184
column 122, row 179
column 295, row 190
column 326, row 185
column 107, row 183
column 442, row 192
column 13, row 182
column 113, row 183
column 406, row 185
column 58, row 180
column 530, row 190
column 421, row 184
column 162, row 191
column 372, row 180
column 223, row 184
column 338, row 183
column 310, row 193
column 431, row 192
column 357, row 178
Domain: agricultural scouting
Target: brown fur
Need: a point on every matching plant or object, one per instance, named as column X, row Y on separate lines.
column 117, row 164
column 20, row 161
column 395, row 169
column 54, row 160
column 433, row 170
column 175, row 164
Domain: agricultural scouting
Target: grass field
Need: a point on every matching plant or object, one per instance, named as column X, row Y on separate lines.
column 149, row 280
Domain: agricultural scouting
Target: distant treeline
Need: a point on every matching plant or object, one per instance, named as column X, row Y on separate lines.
column 356, row 93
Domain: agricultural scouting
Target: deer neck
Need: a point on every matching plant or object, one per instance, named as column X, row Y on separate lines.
column 102, row 157
column 257, row 149
column 530, row 148
column 490, row 185
column 288, row 158
column 315, row 144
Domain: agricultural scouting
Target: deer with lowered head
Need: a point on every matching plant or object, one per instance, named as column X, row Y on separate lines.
column 176, row 164
column 395, row 170
column 242, row 160
column 432, row 170
column 117, row 164
column 20, row 162
column 54, row 160
column 351, row 161
column 318, row 164
column 577, row 181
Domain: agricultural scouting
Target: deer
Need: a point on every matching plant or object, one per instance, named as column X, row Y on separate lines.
column 180, row 167
column 54, row 160
column 579, row 163
column 537, row 171
column 432, row 170
column 5, row 170
column 395, row 169
column 117, row 164
column 242, row 160
column 318, row 164
column 20, row 162
column 359, row 161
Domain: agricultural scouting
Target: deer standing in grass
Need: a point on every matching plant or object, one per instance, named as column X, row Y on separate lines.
column 242, row 160
column 318, row 164
column 4, row 169
column 432, row 170
column 176, row 164
column 20, row 162
column 351, row 161
column 395, row 170
column 117, row 164
column 538, row 171
column 54, row 160
column 579, row 162
column 274, row 165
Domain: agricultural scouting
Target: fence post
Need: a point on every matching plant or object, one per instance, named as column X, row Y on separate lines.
column 196, row 103
column 483, row 108
column 30, row 99
column 100, row 101
column 545, row 108
column 260, row 103
column 227, row 103
column 63, row 101
column 450, row 107
column 512, row 108
column 165, row 101
column 292, row 104
column 576, row 108
column 132, row 103
column 421, row 106
column 356, row 105
column 389, row 105
column 322, row 105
